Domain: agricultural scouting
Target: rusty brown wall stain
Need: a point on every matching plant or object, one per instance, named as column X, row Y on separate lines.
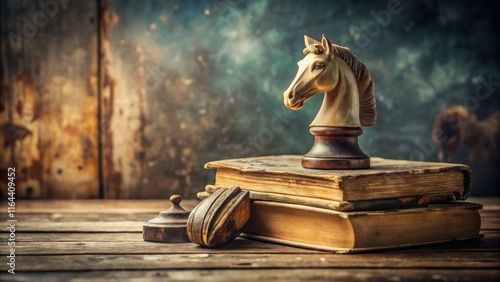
column 123, row 109
column 48, row 120
column 18, row 134
column 19, row 108
column 25, row 79
column 111, row 176
column 140, row 154
column 26, row 156
column 12, row 133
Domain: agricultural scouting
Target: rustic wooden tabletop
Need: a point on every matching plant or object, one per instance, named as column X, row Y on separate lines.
column 63, row 240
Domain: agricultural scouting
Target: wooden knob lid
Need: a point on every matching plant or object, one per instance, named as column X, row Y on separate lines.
column 169, row 226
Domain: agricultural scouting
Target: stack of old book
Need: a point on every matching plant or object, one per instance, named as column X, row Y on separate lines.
column 393, row 204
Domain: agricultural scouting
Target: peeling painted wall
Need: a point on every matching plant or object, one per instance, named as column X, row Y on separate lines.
column 48, row 116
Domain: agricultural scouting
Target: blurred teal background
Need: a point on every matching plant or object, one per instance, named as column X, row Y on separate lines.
column 423, row 55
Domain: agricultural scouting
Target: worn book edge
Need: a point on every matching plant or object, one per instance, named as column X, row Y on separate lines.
column 289, row 166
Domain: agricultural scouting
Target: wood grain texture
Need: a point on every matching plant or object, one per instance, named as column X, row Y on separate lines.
column 285, row 274
column 92, row 250
column 203, row 260
column 96, row 206
column 490, row 241
column 126, row 226
column 132, row 243
column 48, row 115
column 133, row 246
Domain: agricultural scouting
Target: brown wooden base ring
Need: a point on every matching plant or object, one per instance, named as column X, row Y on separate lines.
column 336, row 148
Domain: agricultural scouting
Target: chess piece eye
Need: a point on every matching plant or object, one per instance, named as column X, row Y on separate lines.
column 318, row 66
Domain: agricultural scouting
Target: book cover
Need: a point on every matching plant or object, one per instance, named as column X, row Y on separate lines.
column 349, row 232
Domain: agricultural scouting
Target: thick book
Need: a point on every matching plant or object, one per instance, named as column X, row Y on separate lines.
column 387, row 184
column 349, row 232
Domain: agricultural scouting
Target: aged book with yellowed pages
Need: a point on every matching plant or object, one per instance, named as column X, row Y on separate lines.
column 387, row 184
column 348, row 232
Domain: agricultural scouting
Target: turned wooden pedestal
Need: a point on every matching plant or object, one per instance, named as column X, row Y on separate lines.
column 336, row 148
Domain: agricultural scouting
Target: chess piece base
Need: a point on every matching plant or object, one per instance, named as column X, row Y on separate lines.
column 336, row 148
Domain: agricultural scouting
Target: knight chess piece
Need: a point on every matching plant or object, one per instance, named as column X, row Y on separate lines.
column 349, row 103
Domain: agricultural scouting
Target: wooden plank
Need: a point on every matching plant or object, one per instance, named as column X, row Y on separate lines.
column 31, row 238
column 88, row 226
column 290, row 274
column 96, row 206
column 490, row 220
column 138, row 246
column 132, row 243
column 489, row 203
column 61, row 250
column 205, row 260
column 133, row 237
column 79, row 217
column 48, row 119
column 33, row 215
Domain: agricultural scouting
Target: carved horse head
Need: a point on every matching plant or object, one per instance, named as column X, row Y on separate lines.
column 349, row 92
column 314, row 75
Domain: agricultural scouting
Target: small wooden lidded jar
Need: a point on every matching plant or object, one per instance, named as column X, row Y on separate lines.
column 169, row 226
column 219, row 218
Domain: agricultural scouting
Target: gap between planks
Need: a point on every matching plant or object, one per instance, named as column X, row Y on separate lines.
column 389, row 260
column 124, row 237
column 239, row 246
column 285, row 274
